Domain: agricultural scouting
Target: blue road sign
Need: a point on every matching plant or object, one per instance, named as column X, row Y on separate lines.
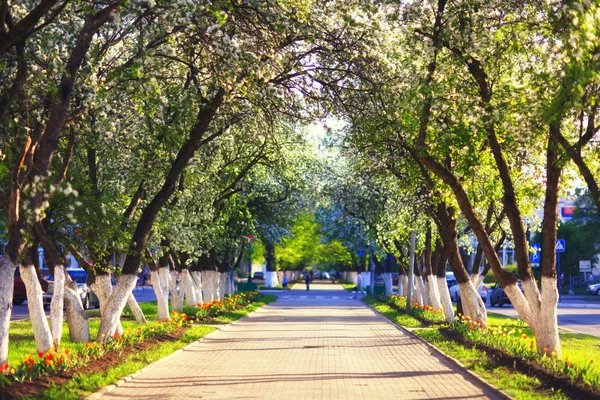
column 360, row 253
column 534, row 256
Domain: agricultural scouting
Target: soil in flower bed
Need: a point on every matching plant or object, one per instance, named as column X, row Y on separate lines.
column 38, row 385
column 550, row 382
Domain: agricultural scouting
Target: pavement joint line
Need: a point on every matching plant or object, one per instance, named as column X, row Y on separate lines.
column 107, row 389
column 501, row 393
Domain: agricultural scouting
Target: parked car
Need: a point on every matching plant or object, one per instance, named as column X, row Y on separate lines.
column 88, row 297
column 498, row 297
column 317, row 274
column 19, row 292
column 455, row 292
column 450, row 279
column 594, row 289
column 258, row 275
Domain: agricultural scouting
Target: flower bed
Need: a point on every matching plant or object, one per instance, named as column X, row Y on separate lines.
column 513, row 347
column 422, row 311
column 517, row 343
column 215, row 308
column 57, row 361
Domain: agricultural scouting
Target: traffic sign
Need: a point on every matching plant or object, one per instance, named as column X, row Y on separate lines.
column 534, row 256
column 360, row 253
column 585, row 266
column 561, row 246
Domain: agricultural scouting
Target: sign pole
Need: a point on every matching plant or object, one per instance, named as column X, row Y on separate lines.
column 559, row 275
column 411, row 271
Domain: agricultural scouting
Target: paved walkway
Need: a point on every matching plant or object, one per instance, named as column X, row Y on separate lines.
column 317, row 344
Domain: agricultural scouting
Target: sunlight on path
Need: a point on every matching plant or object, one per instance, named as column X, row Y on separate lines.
column 305, row 348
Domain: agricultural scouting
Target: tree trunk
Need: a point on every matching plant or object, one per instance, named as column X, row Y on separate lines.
column 136, row 310
column 110, row 321
column 445, row 299
column 102, row 286
column 160, row 279
column 7, row 273
column 388, row 281
column 77, row 318
column 35, row 303
column 404, row 280
column 176, row 293
column 197, row 278
column 56, row 305
column 190, row 287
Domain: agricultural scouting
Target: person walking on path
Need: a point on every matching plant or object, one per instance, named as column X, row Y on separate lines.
column 358, row 286
column 284, row 282
column 307, row 280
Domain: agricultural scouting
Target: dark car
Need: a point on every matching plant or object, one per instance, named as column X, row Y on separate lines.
column 498, row 297
column 258, row 275
column 19, row 292
column 88, row 297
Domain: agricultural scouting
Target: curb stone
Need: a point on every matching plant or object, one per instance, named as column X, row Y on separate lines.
column 474, row 376
column 109, row 388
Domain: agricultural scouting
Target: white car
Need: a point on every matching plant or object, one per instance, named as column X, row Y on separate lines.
column 455, row 292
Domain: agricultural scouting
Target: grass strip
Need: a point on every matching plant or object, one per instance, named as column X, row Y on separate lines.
column 516, row 384
column 86, row 384
column 402, row 319
column 579, row 348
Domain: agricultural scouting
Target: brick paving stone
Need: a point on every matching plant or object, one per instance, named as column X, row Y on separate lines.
column 305, row 348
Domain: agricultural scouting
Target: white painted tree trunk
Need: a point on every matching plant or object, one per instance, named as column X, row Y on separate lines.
column 102, row 286
column 176, row 293
column 56, row 306
column 271, row 279
column 190, row 288
column 35, row 303
column 223, row 283
column 541, row 319
column 208, row 286
column 161, row 289
column 114, row 308
column 445, row 299
column 7, row 273
column 77, row 318
column 352, row 277
column 387, row 280
column 417, row 290
column 404, row 285
column 472, row 303
column 477, row 280
column 433, row 292
column 197, row 278
column 232, row 283
column 424, row 291
column 546, row 326
column 136, row 310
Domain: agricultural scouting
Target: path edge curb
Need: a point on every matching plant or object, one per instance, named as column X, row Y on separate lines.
column 501, row 393
column 109, row 388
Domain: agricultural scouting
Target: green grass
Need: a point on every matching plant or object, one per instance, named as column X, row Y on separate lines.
column 405, row 320
column 514, row 383
column 86, row 384
column 579, row 349
column 22, row 343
